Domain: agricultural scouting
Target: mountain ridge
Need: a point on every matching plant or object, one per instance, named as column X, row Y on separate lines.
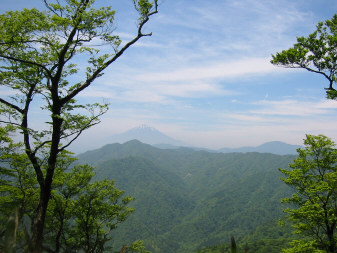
column 186, row 199
column 273, row 147
column 152, row 136
column 145, row 134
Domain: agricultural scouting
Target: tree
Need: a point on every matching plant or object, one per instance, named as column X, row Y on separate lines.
column 137, row 246
column 315, row 53
column 313, row 209
column 81, row 214
column 233, row 245
column 38, row 52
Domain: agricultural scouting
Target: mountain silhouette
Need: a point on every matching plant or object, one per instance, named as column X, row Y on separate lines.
column 145, row 134
column 274, row 147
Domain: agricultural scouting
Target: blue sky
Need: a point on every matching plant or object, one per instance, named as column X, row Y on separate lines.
column 204, row 75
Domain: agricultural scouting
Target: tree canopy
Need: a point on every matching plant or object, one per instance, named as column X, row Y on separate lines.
column 39, row 53
column 80, row 216
column 315, row 53
column 313, row 210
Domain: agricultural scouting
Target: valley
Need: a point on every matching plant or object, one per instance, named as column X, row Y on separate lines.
column 187, row 199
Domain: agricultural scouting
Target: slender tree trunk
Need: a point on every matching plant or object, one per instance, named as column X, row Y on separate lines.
column 45, row 189
column 38, row 222
column 330, row 233
column 58, row 235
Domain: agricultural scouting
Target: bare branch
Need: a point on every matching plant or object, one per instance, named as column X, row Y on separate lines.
column 114, row 58
column 9, row 122
column 27, row 62
column 81, row 8
column 50, row 8
column 316, row 71
column 78, row 133
column 12, row 106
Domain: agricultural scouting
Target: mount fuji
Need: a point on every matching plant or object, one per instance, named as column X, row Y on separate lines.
column 148, row 135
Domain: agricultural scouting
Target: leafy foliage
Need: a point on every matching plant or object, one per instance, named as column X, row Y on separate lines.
column 313, row 175
column 81, row 214
column 315, row 53
column 39, row 51
column 266, row 238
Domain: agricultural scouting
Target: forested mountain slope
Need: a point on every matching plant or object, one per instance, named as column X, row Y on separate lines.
column 188, row 199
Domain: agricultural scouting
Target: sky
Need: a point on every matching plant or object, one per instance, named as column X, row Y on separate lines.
column 204, row 76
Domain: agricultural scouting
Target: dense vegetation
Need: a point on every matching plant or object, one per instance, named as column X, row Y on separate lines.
column 186, row 199
column 267, row 238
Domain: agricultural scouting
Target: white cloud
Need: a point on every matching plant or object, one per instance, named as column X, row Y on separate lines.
column 294, row 108
column 97, row 94
column 192, row 89
column 252, row 119
column 232, row 69
column 142, row 96
column 327, row 104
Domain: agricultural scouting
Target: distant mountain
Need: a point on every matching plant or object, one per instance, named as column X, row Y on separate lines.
column 145, row 134
column 152, row 136
column 273, row 147
column 186, row 199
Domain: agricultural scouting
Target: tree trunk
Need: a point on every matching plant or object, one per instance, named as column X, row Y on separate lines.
column 330, row 233
column 38, row 222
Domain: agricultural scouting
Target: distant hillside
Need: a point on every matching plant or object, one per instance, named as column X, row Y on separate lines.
column 161, row 199
column 145, row 134
column 274, row 147
column 186, row 199
column 152, row 136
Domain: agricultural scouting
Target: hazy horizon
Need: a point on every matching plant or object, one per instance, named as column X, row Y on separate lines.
column 141, row 133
